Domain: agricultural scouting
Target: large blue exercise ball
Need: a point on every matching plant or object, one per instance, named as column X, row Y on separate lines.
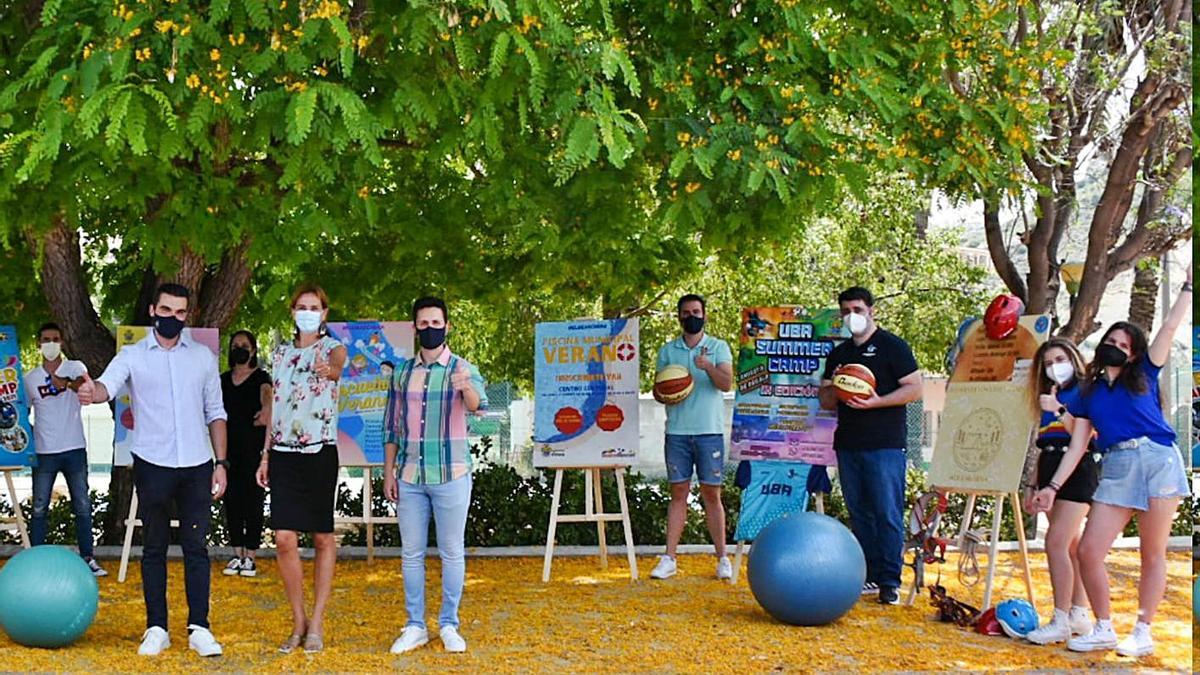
column 806, row 569
column 1196, row 599
column 48, row 597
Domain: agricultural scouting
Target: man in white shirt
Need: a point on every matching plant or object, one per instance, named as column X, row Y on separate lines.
column 60, row 444
column 175, row 392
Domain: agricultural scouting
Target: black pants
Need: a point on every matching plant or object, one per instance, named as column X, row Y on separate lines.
column 189, row 490
column 244, row 499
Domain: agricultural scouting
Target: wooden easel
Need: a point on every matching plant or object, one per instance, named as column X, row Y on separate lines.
column 17, row 521
column 818, row 504
column 997, row 517
column 131, row 522
column 593, row 512
column 367, row 518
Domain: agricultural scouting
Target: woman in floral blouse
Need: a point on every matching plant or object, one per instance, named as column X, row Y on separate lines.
column 301, row 462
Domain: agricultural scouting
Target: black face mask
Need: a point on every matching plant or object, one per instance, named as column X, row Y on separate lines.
column 1111, row 355
column 431, row 338
column 692, row 324
column 168, row 326
column 238, row 356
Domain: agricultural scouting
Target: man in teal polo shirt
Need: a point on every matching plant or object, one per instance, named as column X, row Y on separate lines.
column 694, row 437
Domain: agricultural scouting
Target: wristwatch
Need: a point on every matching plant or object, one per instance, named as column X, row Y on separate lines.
column 222, row 463
column 1062, row 410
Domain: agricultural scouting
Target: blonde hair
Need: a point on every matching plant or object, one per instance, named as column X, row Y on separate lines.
column 1038, row 382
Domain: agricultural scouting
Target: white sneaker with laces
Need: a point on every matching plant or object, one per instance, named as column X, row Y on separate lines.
column 410, row 638
column 1054, row 630
column 154, row 641
column 96, row 569
column 665, row 569
column 1102, row 637
column 724, row 568
column 233, row 567
column 201, row 641
column 870, row 588
column 452, row 641
column 1139, row 643
column 248, row 568
column 1080, row 620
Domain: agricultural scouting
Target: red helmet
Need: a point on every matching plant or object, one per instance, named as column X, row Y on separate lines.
column 1002, row 316
column 987, row 623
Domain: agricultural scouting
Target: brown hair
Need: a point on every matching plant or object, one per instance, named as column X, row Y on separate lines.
column 1038, row 382
column 1132, row 375
column 306, row 288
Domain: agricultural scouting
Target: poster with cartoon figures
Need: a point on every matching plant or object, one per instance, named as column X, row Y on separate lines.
column 985, row 428
column 777, row 414
column 16, row 436
column 374, row 349
column 585, row 393
column 128, row 335
column 1195, row 398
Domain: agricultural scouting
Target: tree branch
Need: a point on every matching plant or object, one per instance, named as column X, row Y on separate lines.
column 999, row 252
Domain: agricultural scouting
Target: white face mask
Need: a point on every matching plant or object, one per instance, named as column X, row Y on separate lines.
column 51, row 350
column 308, row 320
column 857, row 323
column 1060, row 373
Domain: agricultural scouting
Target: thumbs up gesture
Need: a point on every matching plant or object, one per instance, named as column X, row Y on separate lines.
column 702, row 362
column 1049, row 402
column 461, row 379
column 321, row 365
column 87, row 390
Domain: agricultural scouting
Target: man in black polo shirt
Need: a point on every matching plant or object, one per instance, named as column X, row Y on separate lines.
column 870, row 439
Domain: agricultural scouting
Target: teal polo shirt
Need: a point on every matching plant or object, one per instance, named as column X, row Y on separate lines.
column 703, row 411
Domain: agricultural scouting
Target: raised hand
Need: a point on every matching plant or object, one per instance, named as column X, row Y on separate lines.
column 461, row 378
column 321, row 365
column 87, row 391
column 1049, row 402
column 701, row 359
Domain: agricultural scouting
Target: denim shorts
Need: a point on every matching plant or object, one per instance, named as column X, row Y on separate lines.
column 704, row 452
column 1131, row 477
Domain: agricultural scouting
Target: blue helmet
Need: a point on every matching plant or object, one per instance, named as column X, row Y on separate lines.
column 1017, row 617
column 8, row 415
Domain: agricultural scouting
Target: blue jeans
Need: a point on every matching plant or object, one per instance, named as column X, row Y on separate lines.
column 73, row 465
column 704, row 452
column 873, row 486
column 448, row 502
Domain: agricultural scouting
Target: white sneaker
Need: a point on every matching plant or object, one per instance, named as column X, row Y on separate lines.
column 154, row 641
column 724, row 568
column 410, row 638
column 1054, row 630
column 1139, row 643
column 870, row 588
column 233, row 567
column 1101, row 637
column 248, row 568
column 1080, row 620
column 201, row 641
column 452, row 641
column 96, row 569
column 665, row 569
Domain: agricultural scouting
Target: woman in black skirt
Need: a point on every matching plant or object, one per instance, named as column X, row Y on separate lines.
column 246, row 391
column 302, row 463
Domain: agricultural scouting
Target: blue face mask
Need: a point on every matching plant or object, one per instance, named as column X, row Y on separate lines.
column 308, row 320
column 168, row 326
column 431, row 338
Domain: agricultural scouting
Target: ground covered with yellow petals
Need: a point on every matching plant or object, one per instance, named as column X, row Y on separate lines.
column 592, row 620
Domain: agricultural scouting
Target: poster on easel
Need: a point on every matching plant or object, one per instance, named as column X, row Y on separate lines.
column 777, row 414
column 16, row 435
column 1195, row 397
column 374, row 350
column 586, row 385
column 123, row 412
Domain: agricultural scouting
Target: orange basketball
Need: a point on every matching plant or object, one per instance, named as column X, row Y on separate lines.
column 853, row 380
column 672, row 384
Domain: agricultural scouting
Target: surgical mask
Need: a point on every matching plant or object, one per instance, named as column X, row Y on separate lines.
column 168, row 326
column 51, row 350
column 857, row 323
column 1111, row 355
column 308, row 320
column 692, row 324
column 1060, row 373
column 238, row 356
column 431, row 337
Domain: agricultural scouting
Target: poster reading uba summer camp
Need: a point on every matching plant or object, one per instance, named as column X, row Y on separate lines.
column 16, row 436
column 586, row 393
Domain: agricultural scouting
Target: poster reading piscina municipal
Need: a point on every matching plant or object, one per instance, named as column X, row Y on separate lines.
column 16, row 436
column 781, row 355
column 374, row 349
column 586, row 393
column 128, row 335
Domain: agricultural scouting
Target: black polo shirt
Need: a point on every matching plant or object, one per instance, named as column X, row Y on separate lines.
column 890, row 359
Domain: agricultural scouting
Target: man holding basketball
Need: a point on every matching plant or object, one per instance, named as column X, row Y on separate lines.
column 694, row 437
column 871, row 434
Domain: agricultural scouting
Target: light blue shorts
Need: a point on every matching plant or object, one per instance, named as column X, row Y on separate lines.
column 1131, row 477
column 705, row 452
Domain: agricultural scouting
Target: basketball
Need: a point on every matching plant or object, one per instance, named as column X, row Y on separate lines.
column 852, row 381
column 672, row 384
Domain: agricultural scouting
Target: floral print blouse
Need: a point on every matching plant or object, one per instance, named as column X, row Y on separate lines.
column 305, row 415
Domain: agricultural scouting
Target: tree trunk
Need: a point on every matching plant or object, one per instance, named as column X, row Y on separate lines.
column 221, row 294
column 1143, row 300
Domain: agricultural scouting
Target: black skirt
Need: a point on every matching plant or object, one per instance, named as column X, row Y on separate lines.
column 303, row 489
column 1080, row 486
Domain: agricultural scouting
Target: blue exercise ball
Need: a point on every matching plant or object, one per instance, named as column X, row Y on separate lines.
column 1196, row 599
column 48, row 597
column 806, row 569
